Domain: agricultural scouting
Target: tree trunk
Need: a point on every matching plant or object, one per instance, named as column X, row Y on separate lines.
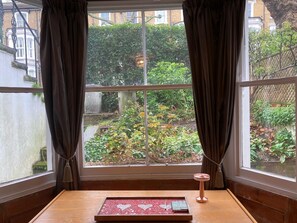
column 283, row 10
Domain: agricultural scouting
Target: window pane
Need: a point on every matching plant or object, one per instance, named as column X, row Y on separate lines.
column 269, row 142
column 167, row 51
column 24, row 147
column 161, row 17
column 112, row 52
column 272, row 51
column 104, row 19
column 125, row 127
column 172, row 132
column 114, row 128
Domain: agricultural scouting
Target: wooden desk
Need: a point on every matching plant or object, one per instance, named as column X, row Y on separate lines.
column 81, row 206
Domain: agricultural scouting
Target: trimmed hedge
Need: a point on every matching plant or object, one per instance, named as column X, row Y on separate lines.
column 112, row 51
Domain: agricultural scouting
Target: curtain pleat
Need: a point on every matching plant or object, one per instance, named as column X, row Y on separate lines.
column 63, row 47
column 214, row 31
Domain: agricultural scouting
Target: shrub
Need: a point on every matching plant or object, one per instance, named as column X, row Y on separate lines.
column 284, row 145
column 265, row 115
column 125, row 141
column 112, row 51
column 260, row 112
column 282, row 116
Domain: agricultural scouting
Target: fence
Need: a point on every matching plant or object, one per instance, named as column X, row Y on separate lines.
column 283, row 64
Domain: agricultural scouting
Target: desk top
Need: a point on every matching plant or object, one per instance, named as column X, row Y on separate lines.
column 81, row 206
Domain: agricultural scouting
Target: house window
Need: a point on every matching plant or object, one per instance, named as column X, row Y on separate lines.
column 131, row 17
column 139, row 112
column 19, row 20
column 161, row 17
column 267, row 108
column 250, row 8
column 20, row 47
column 30, row 48
column 104, row 19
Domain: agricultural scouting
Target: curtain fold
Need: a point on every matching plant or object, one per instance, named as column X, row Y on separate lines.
column 63, row 47
column 214, row 31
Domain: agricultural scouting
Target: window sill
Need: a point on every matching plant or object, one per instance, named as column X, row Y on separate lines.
column 181, row 171
column 16, row 189
column 281, row 186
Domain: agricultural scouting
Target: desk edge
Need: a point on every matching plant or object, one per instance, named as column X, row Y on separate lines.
column 47, row 206
column 241, row 206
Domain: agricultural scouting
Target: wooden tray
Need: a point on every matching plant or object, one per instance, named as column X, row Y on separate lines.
column 141, row 209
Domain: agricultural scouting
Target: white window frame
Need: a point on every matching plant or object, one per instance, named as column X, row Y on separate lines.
column 163, row 19
column 136, row 172
column 19, row 20
column 20, row 47
column 30, row 48
column 37, row 182
column 25, row 45
column 252, row 4
column 233, row 163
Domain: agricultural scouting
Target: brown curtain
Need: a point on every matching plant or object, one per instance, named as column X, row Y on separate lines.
column 214, row 32
column 63, row 59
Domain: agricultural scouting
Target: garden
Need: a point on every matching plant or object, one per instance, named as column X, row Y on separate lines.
column 272, row 128
column 171, row 135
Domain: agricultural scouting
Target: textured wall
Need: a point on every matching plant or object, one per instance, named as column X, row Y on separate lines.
column 22, row 124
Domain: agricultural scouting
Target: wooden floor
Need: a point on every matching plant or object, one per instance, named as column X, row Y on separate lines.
column 82, row 206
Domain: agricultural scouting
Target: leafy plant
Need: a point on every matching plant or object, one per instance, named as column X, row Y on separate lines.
column 284, row 145
column 266, row 115
column 124, row 142
column 179, row 100
column 261, row 112
column 265, row 43
column 282, row 116
column 95, row 149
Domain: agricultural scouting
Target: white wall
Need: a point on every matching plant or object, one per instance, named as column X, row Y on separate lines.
column 22, row 124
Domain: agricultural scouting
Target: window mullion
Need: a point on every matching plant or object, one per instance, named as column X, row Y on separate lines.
column 295, row 82
column 147, row 161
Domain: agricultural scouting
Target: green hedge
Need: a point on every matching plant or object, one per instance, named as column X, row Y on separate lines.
column 112, row 51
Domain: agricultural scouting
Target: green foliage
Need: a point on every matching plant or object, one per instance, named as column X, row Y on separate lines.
column 276, row 141
column 170, row 73
column 260, row 112
column 265, row 43
column 124, row 142
column 284, row 145
column 282, row 116
column 38, row 94
column 109, row 101
column 95, row 148
column 130, row 118
column 257, row 145
column 266, row 115
column 112, row 51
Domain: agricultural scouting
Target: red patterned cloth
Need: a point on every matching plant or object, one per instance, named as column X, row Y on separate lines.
column 138, row 206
